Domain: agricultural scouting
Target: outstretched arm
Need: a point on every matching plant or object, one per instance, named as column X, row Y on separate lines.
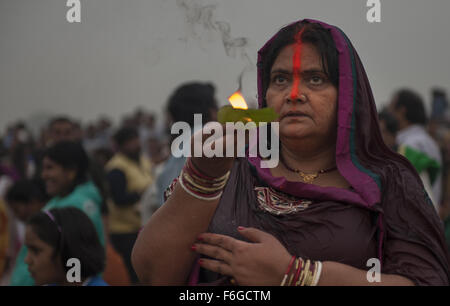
column 162, row 254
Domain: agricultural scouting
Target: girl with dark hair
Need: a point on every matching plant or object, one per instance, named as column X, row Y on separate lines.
column 54, row 237
column 338, row 202
column 65, row 173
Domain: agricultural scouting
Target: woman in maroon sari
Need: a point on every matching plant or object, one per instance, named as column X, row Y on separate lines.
column 338, row 199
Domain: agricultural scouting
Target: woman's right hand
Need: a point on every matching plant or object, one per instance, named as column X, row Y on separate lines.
column 216, row 166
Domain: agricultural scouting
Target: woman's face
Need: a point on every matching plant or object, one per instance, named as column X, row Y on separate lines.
column 313, row 117
column 58, row 180
column 43, row 266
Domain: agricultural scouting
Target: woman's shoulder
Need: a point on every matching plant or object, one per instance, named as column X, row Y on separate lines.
column 88, row 191
column 86, row 194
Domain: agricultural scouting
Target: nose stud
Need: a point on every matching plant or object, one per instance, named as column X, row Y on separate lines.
column 301, row 98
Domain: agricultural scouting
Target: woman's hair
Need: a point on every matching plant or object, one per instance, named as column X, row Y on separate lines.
column 25, row 191
column 413, row 103
column 314, row 34
column 70, row 155
column 125, row 134
column 192, row 98
column 389, row 120
column 72, row 234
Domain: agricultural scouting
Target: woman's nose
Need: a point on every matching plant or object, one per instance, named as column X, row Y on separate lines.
column 296, row 92
column 297, row 98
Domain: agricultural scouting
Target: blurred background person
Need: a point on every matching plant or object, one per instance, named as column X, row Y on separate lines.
column 26, row 197
column 10, row 236
column 439, row 105
column 158, row 150
column 416, row 144
column 65, row 172
column 439, row 129
column 389, row 128
column 185, row 101
column 4, row 240
column 21, row 151
column 129, row 175
column 53, row 237
column 60, row 129
column 23, row 199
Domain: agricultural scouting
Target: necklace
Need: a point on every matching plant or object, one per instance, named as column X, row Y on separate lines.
column 305, row 176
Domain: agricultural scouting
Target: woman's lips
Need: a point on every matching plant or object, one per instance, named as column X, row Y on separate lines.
column 293, row 114
column 49, row 182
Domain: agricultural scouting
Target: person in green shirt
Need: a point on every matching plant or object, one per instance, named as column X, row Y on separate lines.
column 65, row 172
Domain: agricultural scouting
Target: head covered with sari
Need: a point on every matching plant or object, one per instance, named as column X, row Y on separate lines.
column 385, row 188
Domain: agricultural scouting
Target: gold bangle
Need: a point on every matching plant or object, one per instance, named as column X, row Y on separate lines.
column 211, row 182
column 309, row 279
column 308, row 262
column 193, row 178
column 293, row 274
column 216, row 197
column 301, row 272
column 220, row 182
column 290, row 280
column 297, row 262
column 199, row 187
column 317, row 275
column 313, row 276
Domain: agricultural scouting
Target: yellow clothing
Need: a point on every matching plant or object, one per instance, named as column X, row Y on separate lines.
column 127, row 219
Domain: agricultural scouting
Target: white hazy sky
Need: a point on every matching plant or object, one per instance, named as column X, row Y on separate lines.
column 126, row 54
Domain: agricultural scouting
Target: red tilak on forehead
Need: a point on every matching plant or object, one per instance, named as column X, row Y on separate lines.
column 297, row 63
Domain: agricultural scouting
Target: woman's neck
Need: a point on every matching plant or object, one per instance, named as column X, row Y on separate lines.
column 308, row 160
column 71, row 188
column 66, row 192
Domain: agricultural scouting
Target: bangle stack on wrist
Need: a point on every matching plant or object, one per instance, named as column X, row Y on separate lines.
column 201, row 186
column 306, row 273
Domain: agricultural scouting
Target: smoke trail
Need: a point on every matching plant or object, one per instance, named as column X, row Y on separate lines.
column 203, row 15
column 201, row 21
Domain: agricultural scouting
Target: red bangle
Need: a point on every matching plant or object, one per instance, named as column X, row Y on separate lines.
column 290, row 265
column 286, row 275
column 197, row 172
column 297, row 274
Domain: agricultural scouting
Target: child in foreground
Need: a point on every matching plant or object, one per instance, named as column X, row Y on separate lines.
column 59, row 241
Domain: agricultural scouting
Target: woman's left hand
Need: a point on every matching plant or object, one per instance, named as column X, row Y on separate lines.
column 263, row 262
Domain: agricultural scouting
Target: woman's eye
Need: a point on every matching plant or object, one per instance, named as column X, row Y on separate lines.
column 316, row 80
column 33, row 251
column 279, row 80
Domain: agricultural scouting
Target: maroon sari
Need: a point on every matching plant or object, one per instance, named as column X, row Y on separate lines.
column 386, row 214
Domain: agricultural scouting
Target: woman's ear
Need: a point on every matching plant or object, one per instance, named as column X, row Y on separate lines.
column 71, row 174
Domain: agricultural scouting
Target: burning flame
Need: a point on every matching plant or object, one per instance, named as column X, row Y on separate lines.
column 238, row 101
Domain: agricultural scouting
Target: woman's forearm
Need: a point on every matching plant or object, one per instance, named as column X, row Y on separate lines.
column 162, row 254
column 337, row 274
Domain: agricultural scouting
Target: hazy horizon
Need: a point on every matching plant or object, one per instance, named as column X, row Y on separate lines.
column 129, row 54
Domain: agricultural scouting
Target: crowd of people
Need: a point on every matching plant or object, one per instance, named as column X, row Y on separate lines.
column 91, row 191
column 116, row 175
